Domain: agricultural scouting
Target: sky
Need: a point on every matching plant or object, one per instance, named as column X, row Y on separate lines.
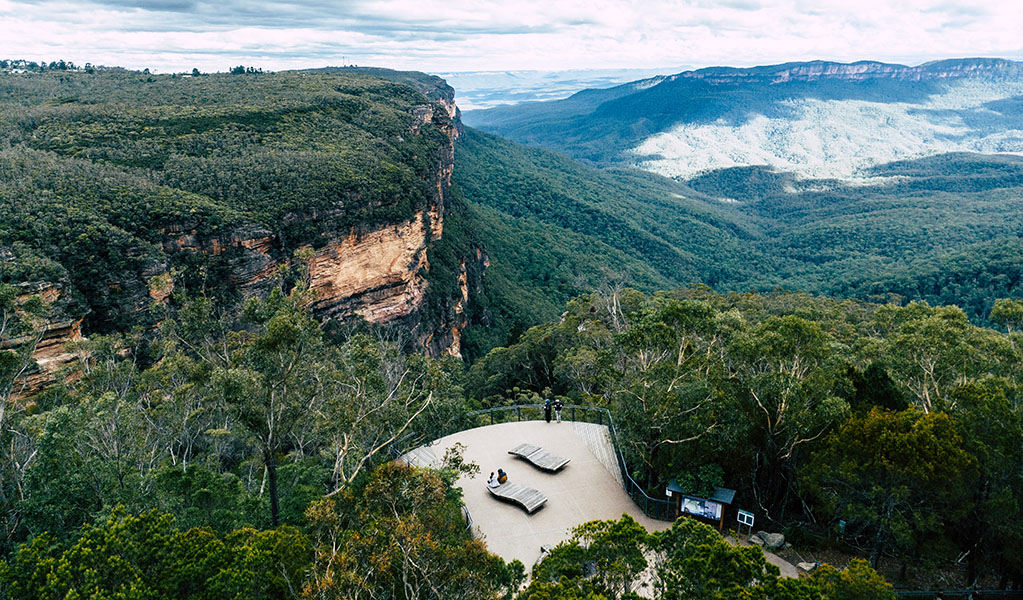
column 486, row 35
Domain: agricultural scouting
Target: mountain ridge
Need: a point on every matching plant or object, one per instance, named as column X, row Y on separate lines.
column 816, row 119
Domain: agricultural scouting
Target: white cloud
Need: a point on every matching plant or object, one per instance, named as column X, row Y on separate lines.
column 449, row 35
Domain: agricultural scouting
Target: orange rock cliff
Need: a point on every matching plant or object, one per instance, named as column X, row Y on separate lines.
column 376, row 272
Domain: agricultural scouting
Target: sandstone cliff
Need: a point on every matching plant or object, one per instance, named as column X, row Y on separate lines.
column 377, row 273
column 818, row 70
column 51, row 355
column 247, row 186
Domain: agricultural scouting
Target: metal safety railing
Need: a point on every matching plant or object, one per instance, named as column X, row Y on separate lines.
column 655, row 508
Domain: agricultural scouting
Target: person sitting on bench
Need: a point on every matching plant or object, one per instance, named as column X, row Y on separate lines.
column 502, row 477
column 493, row 482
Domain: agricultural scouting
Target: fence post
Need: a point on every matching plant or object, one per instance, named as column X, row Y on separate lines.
column 573, row 413
column 518, row 412
column 491, row 411
column 600, row 417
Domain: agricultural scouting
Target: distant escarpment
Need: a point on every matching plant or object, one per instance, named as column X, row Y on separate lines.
column 863, row 70
column 817, row 119
column 125, row 190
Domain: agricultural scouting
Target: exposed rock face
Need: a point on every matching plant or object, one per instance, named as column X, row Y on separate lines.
column 770, row 541
column 50, row 355
column 252, row 255
column 368, row 250
column 858, row 71
column 376, row 273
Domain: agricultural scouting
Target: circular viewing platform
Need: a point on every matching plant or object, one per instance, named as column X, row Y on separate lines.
column 588, row 488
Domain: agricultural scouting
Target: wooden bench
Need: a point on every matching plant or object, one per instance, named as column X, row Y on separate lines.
column 526, row 497
column 539, row 457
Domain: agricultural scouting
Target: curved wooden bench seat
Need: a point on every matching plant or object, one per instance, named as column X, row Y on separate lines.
column 526, row 497
column 539, row 457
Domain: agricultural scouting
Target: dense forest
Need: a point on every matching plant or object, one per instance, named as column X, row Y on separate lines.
column 253, row 458
column 260, row 443
column 943, row 229
column 103, row 174
column 202, row 441
column 902, row 421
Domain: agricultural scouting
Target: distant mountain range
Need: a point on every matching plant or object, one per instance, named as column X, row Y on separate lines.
column 815, row 119
column 486, row 89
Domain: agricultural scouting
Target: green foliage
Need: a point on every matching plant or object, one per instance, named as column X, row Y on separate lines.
column 874, row 387
column 61, row 493
column 694, row 379
column 857, row 582
column 1007, row 313
column 567, row 588
column 945, row 230
column 232, row 417
column 602, row 559
column 700, row 481
column 555, row 228
column 144, row 556
column 691, row 560
column 899, row 477
column 901, row 420
column 904, row 420
column 198, row 497
column 990, row 423
column 22, row 321
column 401, row 534
column 102, row 185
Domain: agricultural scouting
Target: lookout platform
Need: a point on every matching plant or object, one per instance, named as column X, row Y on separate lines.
column 586, row 489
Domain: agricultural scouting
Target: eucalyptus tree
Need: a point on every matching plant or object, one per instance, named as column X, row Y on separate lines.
column 273, row 378
column 666, row 391
column 785, row 374
column 930, row 351
column 382, row 400
column 22, row 326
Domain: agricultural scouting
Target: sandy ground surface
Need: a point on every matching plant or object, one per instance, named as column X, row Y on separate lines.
column 586, row 489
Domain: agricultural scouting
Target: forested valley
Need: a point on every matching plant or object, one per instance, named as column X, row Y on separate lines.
column 213, row 431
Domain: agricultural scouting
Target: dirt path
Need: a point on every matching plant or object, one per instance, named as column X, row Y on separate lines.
column 787, row 569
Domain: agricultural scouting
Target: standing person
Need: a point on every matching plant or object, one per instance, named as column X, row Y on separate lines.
column 558, row 405
column 547, row 410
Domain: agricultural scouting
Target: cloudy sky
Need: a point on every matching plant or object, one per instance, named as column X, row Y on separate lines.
column 462, row 35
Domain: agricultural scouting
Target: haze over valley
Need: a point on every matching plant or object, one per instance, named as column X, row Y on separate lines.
column 281, row 283
column 817, row 120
